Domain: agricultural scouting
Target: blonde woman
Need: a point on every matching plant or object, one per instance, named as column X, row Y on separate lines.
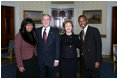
column 69, row 42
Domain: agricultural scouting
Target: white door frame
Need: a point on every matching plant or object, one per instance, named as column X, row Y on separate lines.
column 109, row 26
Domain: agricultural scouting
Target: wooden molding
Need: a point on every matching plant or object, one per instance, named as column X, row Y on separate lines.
column 103, row 35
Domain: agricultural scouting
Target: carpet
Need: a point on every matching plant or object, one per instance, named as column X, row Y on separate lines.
column 106, row 70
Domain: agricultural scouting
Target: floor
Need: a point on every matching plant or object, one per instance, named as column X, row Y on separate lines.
column 105, row 58
column 6, row 62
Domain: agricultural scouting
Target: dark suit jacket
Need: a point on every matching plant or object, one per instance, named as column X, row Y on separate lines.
column 92, row 48
column 50, row 51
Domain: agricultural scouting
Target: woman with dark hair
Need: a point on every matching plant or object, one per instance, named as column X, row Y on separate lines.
column 25, row 50
column 69, row 42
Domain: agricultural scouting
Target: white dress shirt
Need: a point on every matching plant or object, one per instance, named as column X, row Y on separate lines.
column 47, row 30
column 85, row 29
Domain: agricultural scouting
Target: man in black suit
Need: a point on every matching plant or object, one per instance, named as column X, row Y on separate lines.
column 91, row 49
column 48, row 48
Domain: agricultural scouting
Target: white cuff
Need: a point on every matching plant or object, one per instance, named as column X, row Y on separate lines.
column 56, row 60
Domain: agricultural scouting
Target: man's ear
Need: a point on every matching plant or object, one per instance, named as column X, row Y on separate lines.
column 86, row 21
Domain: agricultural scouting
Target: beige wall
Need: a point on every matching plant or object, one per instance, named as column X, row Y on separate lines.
column 104, row 27
column 94, row 5
column 81, row 5
column 32, row 5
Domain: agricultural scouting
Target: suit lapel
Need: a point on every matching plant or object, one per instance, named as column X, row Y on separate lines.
column 81, row 37
column 87, row 33
column 40, row 36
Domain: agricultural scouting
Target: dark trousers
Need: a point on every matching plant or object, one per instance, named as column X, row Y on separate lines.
column 31, row 69
column 47, row 71
column 89, row 73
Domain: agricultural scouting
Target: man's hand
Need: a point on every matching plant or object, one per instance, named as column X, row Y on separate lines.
column 97, row 64
column 56, row 63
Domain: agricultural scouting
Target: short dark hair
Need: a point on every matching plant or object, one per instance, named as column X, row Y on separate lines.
column 46, row 15
column 82, row 16
column 25, row 22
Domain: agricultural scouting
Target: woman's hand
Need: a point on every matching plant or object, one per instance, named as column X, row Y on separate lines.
column 21, row 69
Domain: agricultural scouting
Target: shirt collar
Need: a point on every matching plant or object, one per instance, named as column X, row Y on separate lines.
column 85, row 29
column 48, row 28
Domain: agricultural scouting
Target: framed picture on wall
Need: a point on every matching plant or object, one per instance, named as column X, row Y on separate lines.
column 93, row 16
column 34, row 15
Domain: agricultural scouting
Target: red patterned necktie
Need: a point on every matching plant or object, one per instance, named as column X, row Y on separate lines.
column 44, row 36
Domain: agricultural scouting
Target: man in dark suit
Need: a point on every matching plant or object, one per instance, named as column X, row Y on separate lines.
column 91, row 49
column 48, row 48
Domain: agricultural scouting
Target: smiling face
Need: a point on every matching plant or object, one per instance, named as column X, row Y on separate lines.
column 46, row 21
column 29, row 27
column 68, row 27
column 82, row 22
